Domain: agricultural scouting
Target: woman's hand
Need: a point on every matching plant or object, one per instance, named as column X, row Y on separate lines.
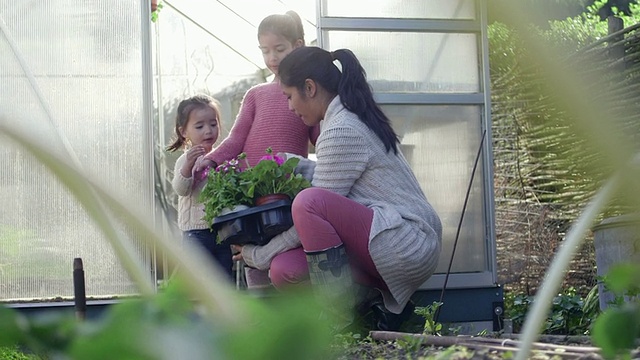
column 236, row 250
column 204, row 163
column 202, row 167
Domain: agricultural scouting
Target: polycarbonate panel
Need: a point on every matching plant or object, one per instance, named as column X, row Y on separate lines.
column 219, row 39
column 414, row 9
column 440, row 143
column 414, row 62
column 211, row 48
column 86, row 60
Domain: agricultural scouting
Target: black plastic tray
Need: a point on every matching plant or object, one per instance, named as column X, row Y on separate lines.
column 255, row 225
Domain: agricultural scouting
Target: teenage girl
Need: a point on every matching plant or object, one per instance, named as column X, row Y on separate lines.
column 264, row 119
column 197, row 129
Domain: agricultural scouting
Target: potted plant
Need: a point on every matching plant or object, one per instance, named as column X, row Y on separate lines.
column 223, row 191
column 229, row 186
column 273, row 175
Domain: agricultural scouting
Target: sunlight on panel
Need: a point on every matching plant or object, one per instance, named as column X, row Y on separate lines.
column 415, row 9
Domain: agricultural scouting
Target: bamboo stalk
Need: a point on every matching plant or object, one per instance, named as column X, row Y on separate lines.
column 480, row 343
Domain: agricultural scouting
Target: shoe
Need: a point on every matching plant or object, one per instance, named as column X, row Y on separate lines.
column 385, row 320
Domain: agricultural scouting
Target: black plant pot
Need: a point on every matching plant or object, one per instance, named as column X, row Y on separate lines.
column 275, row 221
column 239, row 231
column 256, row 225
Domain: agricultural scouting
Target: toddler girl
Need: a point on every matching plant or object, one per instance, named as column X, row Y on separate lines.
column 197, row 129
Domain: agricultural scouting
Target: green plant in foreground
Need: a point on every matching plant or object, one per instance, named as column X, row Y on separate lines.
column 431, row 327
column 612, row 142
column 13, row 353
column 454, row 352
column 170, row 326
column 618, row 328
column 166, row 325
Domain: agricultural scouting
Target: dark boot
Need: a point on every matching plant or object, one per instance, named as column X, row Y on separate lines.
column 385, row 320
column 330, row 275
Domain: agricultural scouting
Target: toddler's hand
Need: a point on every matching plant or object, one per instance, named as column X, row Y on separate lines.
column 194, row 153
column 192, row 156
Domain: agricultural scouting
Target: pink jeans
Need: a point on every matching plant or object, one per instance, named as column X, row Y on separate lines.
column 324, row 220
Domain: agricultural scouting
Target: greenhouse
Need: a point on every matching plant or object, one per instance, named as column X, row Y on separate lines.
column 97, row 84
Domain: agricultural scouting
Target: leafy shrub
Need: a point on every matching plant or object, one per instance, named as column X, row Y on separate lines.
column 570, row 314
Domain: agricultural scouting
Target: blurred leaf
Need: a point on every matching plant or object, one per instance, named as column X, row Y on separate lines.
column 11, row 325
column 195, row 268
column 622, row 278
column 288, row 326
column 616, row 330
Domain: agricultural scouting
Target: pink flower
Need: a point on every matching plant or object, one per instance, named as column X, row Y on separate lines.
column 279, row 160
column 204, row 173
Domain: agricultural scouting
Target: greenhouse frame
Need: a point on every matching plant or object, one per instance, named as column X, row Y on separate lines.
column 98, row 82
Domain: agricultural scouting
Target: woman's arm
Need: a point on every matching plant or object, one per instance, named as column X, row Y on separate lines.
column 260, row 257
column 342, row 157
column 234, row 143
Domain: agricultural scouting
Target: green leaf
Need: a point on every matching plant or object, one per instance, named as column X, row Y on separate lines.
column 616, row 330
column 12, row 324
column 623, row 277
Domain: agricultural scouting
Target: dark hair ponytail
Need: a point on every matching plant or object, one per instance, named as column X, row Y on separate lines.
column 350, row 82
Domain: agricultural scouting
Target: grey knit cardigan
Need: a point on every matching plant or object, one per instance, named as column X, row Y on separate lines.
column 406, row 233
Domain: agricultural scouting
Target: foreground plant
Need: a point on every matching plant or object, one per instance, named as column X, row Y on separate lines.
column 167, row 325
column 574, row 96
column 617, row 330
column 570, row 314
column 170, row 326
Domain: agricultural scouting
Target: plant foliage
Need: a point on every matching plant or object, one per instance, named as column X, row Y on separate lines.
column 562, row 157
column 231, row 185
column 570, row 314
column 224, row 189
column 169, row 324
column 617, row 330
column 274, row 175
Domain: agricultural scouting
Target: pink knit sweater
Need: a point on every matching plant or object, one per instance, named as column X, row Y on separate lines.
column 265, row 121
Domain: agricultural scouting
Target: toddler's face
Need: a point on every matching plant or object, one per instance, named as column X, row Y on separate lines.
column 274, row 48
column 202, row 127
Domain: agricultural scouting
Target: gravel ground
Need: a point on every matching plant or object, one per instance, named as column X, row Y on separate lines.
column 407, row 346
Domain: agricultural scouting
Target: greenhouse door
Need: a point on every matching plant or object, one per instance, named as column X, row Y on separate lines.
column 427, row 63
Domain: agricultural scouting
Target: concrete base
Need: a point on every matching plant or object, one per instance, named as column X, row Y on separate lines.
column 470, row 311
column 616, row 240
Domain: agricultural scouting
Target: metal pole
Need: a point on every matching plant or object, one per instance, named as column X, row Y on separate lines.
column 464, row 208
column 80, row 298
